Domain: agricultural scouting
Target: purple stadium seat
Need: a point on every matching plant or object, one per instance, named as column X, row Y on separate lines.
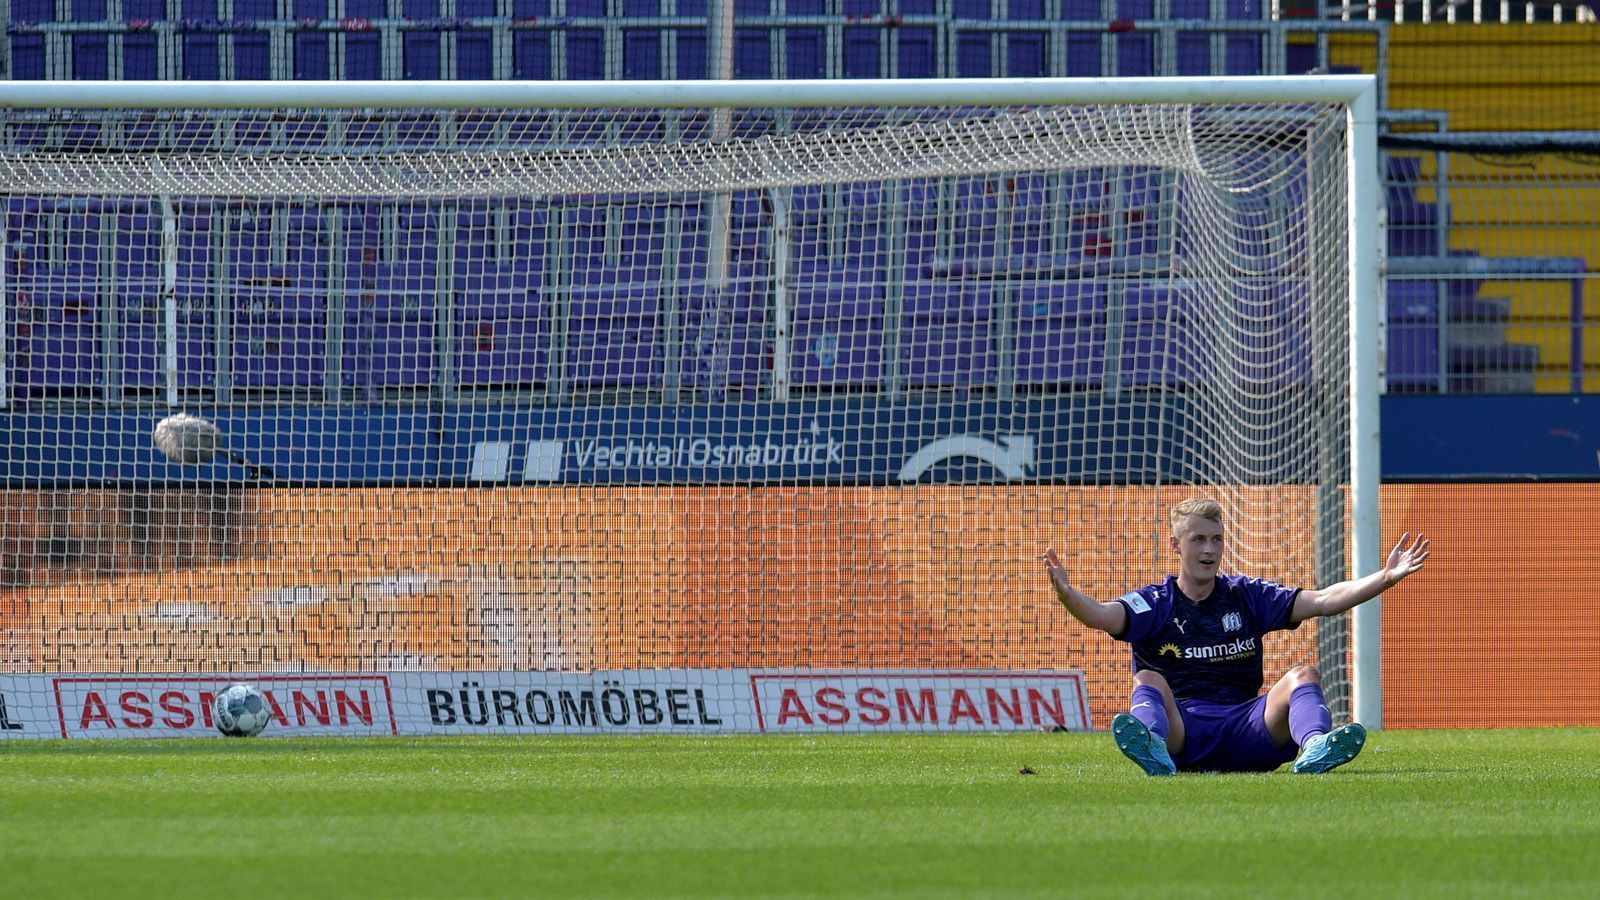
column 91, row 57
column 954, row 301
column 641, row 54
column 1136, row 54
column 731, row 355
column 141, row 60
column 503, row 352
column 363, row 54
column 916, row 51
column 1167, row 344
column 1271, row 344
column 974, row 234
column 419, row 54
column 1032, row 215
column 752, row 53
column 642, row 253
column 252, row 54
column 495, row 290
column 280, row 293
column 89, row 10
column 692, row 61
column 586, row 52
column 390, row 352
column 862, row 52
column 865, row 239
column 502, row 332
column 1243, row 54
column 202, row 56
column 390, row 333
column 475, row 235
column 281, row 354
column 950, row 354
column 1193, row 53
column 724, row 343
column 1413, row 224
column 67, row 301
column 405, row 290
column 57, row 354
column 33, row 11
column 808, row 228
column 949, row 336
column 1158, row 346
column 1027, row 54
column 1061, row 334
column 974, row 55
column 1413, row 339
column 838, row 336
column 28, row 56
column 613, row 337
column 474, row 53
column 312, row 55
column 144, row 347
column 920, row 200
column 627, row 358
column 805, row 53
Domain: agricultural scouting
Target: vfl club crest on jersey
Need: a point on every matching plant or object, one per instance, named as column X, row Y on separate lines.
column 1232, row 622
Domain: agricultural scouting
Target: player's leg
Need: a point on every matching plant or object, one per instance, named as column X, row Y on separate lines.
column 1296, row 712
column 1152, row 728
column 1296, row 708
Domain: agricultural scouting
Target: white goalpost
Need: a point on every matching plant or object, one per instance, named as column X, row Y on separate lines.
column 651, row 406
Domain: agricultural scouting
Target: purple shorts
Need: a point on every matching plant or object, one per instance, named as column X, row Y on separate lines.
column 1220, row 737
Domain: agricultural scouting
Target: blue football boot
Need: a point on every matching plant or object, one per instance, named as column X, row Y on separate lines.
column 1326, row 752
column 1138, row 744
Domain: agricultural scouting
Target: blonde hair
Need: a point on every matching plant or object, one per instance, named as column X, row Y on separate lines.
column 1204, row 507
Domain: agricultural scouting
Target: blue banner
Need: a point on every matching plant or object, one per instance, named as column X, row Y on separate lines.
column 1070, row 439
column 1551, row 436
column 858, row 441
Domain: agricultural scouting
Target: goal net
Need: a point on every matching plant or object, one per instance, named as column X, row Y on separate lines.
column 624, row 409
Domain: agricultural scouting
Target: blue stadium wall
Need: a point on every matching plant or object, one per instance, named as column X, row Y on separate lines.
column 844, row 441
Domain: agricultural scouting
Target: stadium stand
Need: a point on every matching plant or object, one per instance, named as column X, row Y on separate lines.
column 386, row 322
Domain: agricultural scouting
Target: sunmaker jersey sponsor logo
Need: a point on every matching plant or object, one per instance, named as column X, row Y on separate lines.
column 1229, row 650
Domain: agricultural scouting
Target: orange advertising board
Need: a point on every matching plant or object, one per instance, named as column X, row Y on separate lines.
column 572, row 579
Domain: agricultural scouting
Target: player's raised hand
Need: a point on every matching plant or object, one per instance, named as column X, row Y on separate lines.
column 1407, row 557
column 1057, row 572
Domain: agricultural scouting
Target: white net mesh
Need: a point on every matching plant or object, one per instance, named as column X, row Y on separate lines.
column 607, row 390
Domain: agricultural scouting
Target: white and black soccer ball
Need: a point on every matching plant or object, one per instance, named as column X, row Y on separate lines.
column 241, row 711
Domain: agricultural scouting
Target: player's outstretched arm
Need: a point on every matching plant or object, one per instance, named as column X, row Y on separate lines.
column 1111, row 618
column 1405, row 560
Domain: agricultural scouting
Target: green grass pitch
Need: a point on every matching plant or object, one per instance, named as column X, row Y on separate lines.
column 1419, row 814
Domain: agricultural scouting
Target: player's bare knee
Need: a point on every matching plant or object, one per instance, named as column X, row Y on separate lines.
column 1151, row 679
column 1300, row 675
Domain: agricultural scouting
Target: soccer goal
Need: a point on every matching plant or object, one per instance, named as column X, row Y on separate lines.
column 459, row 406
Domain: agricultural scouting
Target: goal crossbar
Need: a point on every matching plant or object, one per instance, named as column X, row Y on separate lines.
column 1357, row 91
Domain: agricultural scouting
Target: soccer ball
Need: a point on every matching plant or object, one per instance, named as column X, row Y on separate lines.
column 241, row 711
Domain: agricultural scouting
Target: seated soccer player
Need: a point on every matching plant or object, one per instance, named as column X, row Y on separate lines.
column 1197, row 674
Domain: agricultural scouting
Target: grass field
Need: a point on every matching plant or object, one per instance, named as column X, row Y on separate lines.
column 1420, row 814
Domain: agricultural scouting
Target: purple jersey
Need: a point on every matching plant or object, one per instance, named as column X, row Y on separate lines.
column 1211, row 650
